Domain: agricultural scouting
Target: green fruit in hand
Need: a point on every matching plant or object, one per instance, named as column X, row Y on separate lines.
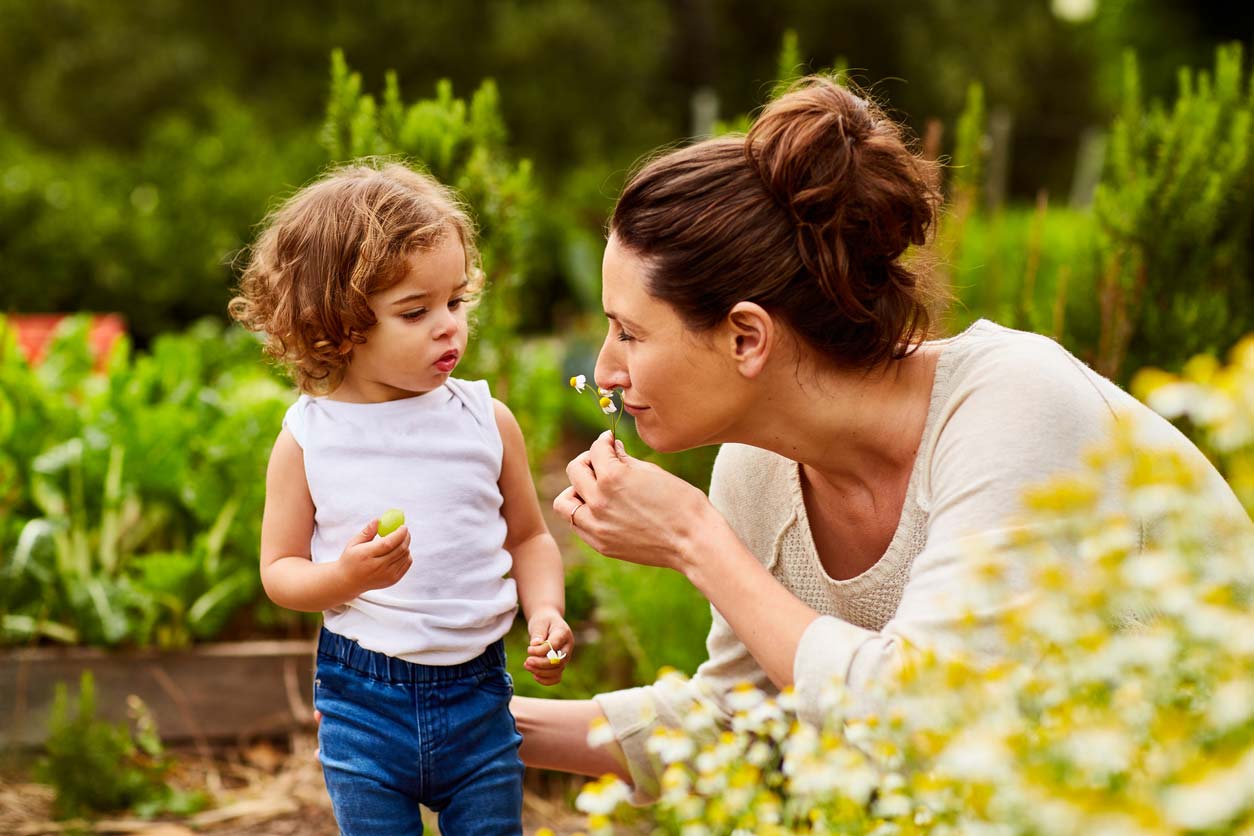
column 390, row 520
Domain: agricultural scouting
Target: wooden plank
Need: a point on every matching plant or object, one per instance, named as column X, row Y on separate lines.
column 210, row 692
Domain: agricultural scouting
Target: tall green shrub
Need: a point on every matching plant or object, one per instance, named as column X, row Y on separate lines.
column 1176, row 211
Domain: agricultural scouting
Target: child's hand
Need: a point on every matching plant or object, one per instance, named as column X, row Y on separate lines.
column 551, row 644
column 369, row 563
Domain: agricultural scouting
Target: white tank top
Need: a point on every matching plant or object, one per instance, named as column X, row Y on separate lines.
column 437, row 457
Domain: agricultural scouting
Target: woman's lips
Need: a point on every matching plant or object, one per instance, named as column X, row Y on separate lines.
column 447, row 361
column 634, row 410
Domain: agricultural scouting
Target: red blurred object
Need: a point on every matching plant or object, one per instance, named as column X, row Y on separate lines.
column 34, row 331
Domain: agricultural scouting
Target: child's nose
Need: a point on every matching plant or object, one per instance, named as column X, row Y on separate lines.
column 446, row 324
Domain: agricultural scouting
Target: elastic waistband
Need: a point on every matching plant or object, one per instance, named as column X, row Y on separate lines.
column 390, row 669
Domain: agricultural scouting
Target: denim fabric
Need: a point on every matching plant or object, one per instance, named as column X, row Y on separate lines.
column 395, row 734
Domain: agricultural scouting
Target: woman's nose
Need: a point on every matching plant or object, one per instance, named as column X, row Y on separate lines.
column 610, row 371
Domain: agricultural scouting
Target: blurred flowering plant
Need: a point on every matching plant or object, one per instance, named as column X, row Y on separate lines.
column 1121, row 701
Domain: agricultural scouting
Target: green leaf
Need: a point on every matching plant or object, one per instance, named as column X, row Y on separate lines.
column 211, row 610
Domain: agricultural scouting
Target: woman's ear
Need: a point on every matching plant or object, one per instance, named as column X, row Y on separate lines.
column 751, row 335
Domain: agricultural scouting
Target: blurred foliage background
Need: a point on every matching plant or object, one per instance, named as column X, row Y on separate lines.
column 1100, row 190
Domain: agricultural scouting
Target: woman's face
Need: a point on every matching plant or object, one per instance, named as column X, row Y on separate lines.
column 681, row 389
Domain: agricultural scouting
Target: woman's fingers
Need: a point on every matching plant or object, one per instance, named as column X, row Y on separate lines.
column 566, row 503
column 604, row 455
column 582, row 477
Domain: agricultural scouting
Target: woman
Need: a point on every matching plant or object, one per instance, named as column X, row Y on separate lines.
column 757, row 298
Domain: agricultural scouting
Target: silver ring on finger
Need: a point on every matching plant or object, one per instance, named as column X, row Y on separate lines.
column 572, row 514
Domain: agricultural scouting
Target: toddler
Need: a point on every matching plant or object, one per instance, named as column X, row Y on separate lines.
column 361, row 283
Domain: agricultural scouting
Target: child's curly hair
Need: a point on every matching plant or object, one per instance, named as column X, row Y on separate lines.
column 328, row 248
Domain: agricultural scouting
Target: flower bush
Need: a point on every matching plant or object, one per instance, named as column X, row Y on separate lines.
column 1121, row 700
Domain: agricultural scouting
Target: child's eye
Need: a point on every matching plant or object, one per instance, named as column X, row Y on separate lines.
column 454, row 304
column 412, row 315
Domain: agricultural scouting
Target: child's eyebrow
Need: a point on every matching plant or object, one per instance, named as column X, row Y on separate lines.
column 414, row 297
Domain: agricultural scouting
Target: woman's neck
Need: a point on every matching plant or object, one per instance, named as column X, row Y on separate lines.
column 849, row 428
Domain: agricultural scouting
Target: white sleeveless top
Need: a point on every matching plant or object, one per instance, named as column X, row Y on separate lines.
column 437, row 457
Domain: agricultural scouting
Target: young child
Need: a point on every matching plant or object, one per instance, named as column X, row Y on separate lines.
column 361, row 284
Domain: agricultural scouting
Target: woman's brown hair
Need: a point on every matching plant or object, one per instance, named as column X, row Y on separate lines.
column 808, row 215
column 332, row 245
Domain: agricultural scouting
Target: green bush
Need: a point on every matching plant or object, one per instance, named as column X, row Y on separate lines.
column 133, row 509
column 1162, row 266
column 1176, row 212
column 99, row 767
column 149, row 235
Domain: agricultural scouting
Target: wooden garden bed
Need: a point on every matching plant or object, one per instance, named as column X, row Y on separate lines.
column 220, row 691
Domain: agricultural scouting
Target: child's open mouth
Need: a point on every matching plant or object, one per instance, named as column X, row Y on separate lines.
column 447, row 361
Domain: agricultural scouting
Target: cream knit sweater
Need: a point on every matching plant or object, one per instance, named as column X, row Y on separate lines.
column 1007, row 410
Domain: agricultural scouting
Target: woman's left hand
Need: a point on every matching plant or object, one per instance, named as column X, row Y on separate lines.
column 631, row 509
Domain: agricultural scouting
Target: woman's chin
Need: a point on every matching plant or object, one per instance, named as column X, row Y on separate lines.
column 660, row 442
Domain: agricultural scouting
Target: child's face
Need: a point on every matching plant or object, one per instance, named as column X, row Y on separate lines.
column 420, row 330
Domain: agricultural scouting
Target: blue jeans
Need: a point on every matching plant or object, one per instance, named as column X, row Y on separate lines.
column 395, row 734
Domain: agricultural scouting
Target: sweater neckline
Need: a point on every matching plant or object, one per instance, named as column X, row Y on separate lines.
column 912, row 512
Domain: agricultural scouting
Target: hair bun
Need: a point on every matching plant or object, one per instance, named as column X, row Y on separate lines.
column 856, row 195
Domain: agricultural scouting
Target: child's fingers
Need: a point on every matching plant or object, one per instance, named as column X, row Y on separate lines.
column 541, row 666
column 366, row 534
column 544, row 674
column 400, row 549
column 381, row 546
column 550, row 677
column 560, row 636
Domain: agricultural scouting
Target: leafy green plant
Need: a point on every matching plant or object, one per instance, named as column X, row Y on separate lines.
column 100, row 767
column 134, row 505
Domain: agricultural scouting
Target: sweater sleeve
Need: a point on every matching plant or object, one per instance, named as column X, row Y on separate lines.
column 635, row 713
column 1014, row 417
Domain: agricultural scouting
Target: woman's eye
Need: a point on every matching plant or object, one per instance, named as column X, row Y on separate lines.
column 412, row 315
column 623, row 337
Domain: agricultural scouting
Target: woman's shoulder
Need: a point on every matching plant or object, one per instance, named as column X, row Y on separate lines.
column 752, row 487
column 1023, row 373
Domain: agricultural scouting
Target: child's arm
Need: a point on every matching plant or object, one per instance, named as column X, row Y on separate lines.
column 288, row 573
column 537, row 561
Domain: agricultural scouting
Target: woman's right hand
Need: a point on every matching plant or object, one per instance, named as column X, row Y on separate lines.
column 375, row 563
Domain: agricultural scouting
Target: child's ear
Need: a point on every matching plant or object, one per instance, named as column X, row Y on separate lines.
column 751, row 332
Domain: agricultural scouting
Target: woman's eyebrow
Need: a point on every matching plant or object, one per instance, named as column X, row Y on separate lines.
column 621, row 320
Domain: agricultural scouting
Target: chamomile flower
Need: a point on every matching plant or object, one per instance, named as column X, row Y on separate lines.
column 555, row 656
column 602, row 796
column 600, row 733
column 670, row 745
column 605, row 398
